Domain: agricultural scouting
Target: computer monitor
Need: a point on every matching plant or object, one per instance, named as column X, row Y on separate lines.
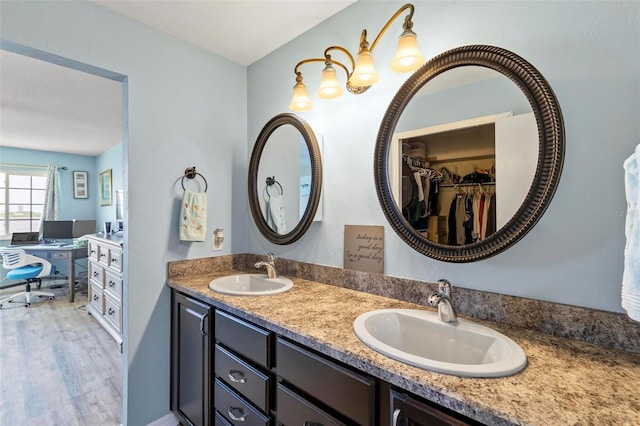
column 83, row 227
column 57, row 230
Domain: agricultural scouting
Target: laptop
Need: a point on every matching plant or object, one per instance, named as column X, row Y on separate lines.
column 25, row 238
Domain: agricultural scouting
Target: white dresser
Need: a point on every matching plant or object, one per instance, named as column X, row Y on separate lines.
column 105, row 282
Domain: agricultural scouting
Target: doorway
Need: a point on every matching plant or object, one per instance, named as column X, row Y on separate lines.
column 33, row 323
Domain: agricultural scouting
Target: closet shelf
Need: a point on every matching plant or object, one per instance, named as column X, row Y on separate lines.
column 433, row 160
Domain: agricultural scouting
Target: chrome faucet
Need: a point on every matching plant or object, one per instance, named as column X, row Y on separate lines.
column 270, row 264
column 442, row 300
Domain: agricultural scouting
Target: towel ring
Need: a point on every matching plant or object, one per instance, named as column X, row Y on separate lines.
column 271, row 181
column 190, row 173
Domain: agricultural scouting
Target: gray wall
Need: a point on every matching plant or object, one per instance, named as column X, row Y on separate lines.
column 590, row 54
column 186, row 107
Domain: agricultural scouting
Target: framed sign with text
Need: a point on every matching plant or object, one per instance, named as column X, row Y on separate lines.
column 364, row 248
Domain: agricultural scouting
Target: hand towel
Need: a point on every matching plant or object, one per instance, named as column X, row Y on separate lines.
column 276, row 214
column 193, row 216
column 631, row 273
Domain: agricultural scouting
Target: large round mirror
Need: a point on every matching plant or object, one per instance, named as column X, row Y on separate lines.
column 285, row 179
column 469, row 154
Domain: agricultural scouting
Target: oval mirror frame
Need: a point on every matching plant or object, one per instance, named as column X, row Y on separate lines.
column 550, row 153
column 316, row 178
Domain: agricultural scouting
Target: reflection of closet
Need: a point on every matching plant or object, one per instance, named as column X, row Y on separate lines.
column 448, row 184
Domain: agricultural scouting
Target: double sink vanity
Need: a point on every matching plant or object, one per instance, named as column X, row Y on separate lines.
column 320, row 345
column 294, row 357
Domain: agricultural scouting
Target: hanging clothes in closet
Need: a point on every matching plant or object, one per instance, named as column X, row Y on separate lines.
column 420, row 190
column 472, row 215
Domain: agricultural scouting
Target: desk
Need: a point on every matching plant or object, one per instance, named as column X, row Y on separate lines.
column 56, row 253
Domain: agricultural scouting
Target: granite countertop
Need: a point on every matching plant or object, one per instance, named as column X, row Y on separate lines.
column 566, row 382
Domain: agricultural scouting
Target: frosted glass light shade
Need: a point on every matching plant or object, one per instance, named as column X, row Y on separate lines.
column 329, row 86
column 364, row 73
column 408, row 56
column 300, row 100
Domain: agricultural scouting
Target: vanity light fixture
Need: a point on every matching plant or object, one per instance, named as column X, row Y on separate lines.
column 363, row 74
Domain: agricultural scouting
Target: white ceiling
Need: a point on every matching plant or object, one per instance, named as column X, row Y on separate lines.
column 49, row 107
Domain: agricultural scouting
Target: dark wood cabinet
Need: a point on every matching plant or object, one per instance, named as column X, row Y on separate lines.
column 228, row 371
column 191, row 360
column 244, row 382
column 348, row 393
column 408, row 411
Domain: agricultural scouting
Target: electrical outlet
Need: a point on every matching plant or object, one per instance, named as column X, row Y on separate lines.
column 218, row 238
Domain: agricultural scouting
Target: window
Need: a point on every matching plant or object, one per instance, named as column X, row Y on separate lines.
column 23, row 190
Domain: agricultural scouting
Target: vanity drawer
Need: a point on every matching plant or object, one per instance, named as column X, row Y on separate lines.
column 344, row 390
column 113, row 284
column 248, row 340
column 235, row 410
column 295, row 410
column 251, row 383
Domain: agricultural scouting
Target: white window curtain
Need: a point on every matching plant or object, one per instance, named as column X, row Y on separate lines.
column 51, row 207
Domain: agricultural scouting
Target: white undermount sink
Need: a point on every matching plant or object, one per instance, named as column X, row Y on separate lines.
column 419, row 338
column 250, row 285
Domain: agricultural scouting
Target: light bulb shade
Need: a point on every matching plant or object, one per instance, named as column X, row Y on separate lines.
column 300, row 100
column 408, row 56
column 329, row 86
column 364, row 74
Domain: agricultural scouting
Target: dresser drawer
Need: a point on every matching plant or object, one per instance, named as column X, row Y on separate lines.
column 248, row 340
column 113, row 284
column 115, row 260
column 235, row 410
column 295, row 410
column 112, row 312
column 96, row 274
column 103, row 255
column 96, row 297
column 250, row 382
column 344, row 390
column 93, row 250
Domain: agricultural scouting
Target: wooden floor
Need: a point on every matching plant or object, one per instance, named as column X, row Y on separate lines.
column 58, row 366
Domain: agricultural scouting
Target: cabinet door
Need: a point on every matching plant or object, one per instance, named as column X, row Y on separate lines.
column 407, row 411
column 191, row 359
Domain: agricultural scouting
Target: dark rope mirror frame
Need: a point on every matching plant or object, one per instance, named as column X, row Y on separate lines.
column 316, row 178
column 550, row 153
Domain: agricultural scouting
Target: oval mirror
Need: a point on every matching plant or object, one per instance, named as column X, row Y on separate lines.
column 285, row 179
column 469, row 154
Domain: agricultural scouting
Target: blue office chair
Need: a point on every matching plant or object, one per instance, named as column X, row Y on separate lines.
column 23, row 266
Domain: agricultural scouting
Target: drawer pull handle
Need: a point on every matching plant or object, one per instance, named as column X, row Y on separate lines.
column 114, row 260
column 396, row 417
column 96, row 297
column 93, row 252
column 95, row 273
column 111, row 311
column 241, row 417
column 103, row 255
column 237, row 376
column 202, row 323
column 111, row 283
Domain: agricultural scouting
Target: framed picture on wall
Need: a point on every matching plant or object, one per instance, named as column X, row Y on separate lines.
column 80, row 187
column 105, row 188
